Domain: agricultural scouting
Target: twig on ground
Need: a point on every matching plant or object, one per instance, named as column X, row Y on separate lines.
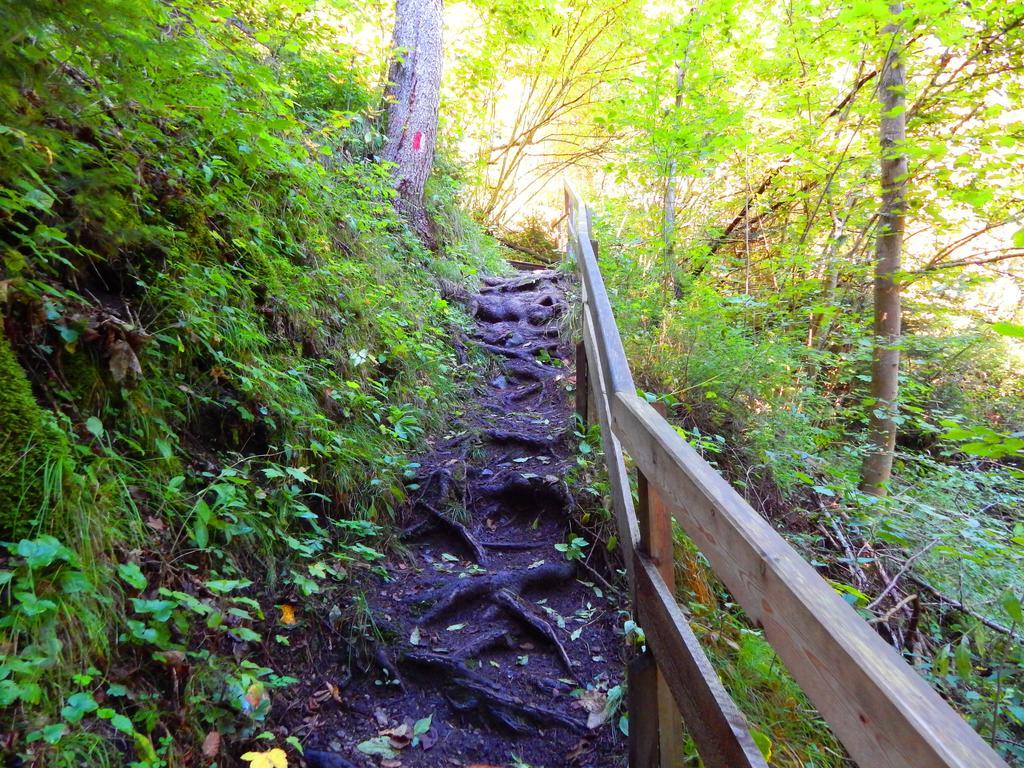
column 958, row 605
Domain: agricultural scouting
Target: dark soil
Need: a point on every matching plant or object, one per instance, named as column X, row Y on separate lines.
column 483, row 624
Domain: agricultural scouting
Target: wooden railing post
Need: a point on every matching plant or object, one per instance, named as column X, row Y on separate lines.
column 582, row 382
column 642, row 704
column 657, row 544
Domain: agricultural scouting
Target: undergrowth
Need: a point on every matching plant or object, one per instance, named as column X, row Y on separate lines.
column 782, row 421
column 234, row 344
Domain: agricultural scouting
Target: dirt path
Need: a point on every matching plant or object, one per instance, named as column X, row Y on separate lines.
column 486, row 628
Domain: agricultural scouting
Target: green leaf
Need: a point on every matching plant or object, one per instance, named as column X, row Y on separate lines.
column 1009, row 329
column 39, row 199
column 9, row 692
column 53, row 733
column 1012, row 605
column 962, row 658
column 122, row 724
column 223, row 586
column 33, row 606
column 95, row 427
column 422, row 725
column 246, row 635
column 132, row 575
column 378, row 745
column 201, row 534
column 79, row 705
column 41, row 552
column 74, row 582
column 161, row 610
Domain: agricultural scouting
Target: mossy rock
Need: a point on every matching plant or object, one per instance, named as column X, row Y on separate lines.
column 29, row 442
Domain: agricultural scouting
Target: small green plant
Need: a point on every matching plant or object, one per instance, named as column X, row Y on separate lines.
column 574, row 548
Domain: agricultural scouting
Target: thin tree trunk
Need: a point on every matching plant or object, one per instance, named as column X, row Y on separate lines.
column 413, row 94
column 668, row 221
column 885, row 367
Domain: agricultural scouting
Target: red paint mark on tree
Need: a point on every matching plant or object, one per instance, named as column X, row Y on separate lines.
column 417, row 141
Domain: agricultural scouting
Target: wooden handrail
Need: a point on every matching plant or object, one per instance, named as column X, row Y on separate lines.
column 882, row 711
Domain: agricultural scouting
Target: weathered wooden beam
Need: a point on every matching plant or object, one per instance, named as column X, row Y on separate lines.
column 620, row 492
column 718, row 728
column 642, row 703
column 582, row 382
column 657, row 547
column 610, row 354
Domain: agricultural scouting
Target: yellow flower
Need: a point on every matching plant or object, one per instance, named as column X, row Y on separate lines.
column 272, row 758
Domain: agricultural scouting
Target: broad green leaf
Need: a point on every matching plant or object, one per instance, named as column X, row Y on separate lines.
column 41, row 552
column 378, row 745
column 1009, row 329
column 1012, row 605
column 132, row 575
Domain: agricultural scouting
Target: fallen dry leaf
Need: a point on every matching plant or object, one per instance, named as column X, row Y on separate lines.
column 123, row 363
column 287, row 614
column 399, row 736
column 211, row 745
column 594, row 703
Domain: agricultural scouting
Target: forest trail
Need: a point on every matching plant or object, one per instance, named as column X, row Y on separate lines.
column 507, row 644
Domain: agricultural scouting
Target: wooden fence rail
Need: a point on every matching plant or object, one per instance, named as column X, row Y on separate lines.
column 882, row 711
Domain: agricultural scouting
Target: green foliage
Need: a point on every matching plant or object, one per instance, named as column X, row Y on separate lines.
column 30, row 442
column 747, row 306
column 237, row 340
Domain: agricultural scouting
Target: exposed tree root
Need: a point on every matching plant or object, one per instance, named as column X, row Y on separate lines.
column 503, row 336
column 442, row 478
column 597, row 577
column 523, row 611
column 520, row 353
column 499, row 310
column 530, row 371
column 316, row 759
column 513, row 545
column 469, row 691
column 479, row 556
column 522, row 489
column 527, row 283
column 514, row 352
column 457, row 591
column 527, row 392
column 496, row 638
column 500, row 336
column 540, row 314
column 521, row 411
column 533, row 441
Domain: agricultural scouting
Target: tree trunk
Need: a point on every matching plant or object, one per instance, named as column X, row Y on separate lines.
column 668, row 221
column 413, row 94
column 885, row 366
